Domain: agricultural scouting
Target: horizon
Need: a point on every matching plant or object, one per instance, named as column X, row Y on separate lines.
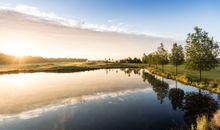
column 95, row 31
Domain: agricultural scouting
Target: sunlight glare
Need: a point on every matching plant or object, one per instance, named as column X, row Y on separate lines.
column 17, row 48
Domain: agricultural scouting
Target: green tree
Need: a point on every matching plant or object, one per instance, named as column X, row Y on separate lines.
column 162, row 56
column 153, row 59
column 150, row 59
column 201, row 51
column 145, row 58
column 177, row 55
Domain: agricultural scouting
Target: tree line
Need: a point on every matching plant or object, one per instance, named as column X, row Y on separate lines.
column 200, row 53
column 8, row 59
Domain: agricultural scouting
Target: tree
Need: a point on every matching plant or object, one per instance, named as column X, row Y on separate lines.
column 177, row 55
column 130, row 60
column 150, row 59
column 162, row 55
column 145, row 58
column 153, row 58
column 201, row 51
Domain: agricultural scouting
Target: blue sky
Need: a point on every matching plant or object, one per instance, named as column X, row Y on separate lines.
column 173, row 18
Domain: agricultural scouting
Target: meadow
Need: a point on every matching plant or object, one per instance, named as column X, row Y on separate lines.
column 213, row 75
column 64, row 67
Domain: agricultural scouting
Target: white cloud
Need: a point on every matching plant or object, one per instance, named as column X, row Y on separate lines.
column 111, row 25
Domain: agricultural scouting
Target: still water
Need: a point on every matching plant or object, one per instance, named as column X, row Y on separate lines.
column 111, row 99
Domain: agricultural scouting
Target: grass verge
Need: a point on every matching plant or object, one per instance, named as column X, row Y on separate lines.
column 205, row 84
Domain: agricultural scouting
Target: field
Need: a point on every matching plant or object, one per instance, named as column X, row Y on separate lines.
column 64, row 67
column 213, row 75
column 210, row 79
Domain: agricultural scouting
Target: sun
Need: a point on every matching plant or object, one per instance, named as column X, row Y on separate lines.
column 17, row 48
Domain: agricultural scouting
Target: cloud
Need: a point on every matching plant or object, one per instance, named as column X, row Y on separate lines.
column 111, row 25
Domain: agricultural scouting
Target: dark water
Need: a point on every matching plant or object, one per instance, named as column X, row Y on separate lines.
column 116, row 100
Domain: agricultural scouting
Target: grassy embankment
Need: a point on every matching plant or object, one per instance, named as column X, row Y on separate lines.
column 210, row 79
column 64, row 67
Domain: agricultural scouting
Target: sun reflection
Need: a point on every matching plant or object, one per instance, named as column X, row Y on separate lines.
column 18, row 80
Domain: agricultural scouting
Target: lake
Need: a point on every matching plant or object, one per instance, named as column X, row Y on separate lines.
column 110, row 99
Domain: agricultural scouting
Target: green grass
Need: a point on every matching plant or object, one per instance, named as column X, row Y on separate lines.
column 210, row 79
column 64, row 67
column 213, row 75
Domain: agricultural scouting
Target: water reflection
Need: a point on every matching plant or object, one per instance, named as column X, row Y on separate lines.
column 160, row 87
column 133, row 99
column 176, row 96
column 197, row 104
column 193, row 104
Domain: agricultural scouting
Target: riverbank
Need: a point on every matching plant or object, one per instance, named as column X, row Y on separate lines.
column 64, row 67
column 206, row 84
column 212, row 83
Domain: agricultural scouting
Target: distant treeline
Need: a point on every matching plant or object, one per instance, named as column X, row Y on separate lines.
column 131, row 60
column 8, row 59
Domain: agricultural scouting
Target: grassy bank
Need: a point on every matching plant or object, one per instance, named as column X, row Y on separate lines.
column 210, row 80
column 64, row 67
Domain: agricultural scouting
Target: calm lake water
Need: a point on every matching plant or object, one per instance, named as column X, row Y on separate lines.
column 110, row 99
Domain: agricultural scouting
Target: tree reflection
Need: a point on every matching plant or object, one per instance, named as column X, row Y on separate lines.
column 159, row 86
column 193, row 104
column 128, row 71
column 176, row 96
column 197, row 104
column 137, row 71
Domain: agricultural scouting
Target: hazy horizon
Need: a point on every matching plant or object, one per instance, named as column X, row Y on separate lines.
column 92, row 30
column 40, row 37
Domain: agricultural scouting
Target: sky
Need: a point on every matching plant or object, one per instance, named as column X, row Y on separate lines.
column 146, row 22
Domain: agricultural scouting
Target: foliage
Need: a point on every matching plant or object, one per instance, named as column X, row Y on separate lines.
column 185, row 79
column 145, row 58
column 162, row 55
column 201, row 51
column 177, row 55
column 8, row 59
column 130, row 60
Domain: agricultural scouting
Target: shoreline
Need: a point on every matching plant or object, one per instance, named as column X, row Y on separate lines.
column 70, row 67
column 209, row 86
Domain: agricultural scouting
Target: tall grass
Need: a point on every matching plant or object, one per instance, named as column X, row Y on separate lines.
column 202, row 123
